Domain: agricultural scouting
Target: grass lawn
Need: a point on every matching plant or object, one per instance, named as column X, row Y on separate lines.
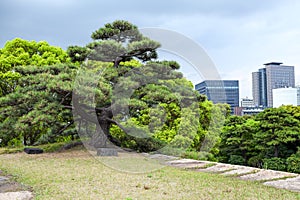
column 76, row 174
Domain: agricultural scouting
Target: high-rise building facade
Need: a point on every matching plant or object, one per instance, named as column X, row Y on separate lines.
column 256, row 91
column 259, row 87
column 298, row 95
column 220, row 91
column 284, row 96
column 274, row 75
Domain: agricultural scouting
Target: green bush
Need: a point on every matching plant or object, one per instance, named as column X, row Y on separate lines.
column 236, row 160
column 274, row 163
column 182, row 142
column 54, row 147
column 255, row 161
column 293, row 163
column 148, row 144
column 171, row 151
column 15, row 142
column 199, row 155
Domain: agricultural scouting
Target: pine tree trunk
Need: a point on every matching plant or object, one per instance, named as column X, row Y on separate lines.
column 276, row 152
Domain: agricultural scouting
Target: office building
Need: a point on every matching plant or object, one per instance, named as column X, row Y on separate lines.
column 298, row 95
column 252, row 111
column 259, row 88
column 220, row 91
column 273, row 76
column 247, row 108
column 284, row 96
column 246, row 103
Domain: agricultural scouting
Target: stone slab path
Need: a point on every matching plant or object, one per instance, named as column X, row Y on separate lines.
column 263, row 175
column 278, row 179
column 289, row 184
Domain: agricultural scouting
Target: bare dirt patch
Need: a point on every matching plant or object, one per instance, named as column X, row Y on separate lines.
column 8, row 185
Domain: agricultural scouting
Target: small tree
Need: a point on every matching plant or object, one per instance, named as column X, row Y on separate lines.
column 156, row 90
column 277, row 126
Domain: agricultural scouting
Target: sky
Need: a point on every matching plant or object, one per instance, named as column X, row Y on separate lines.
column 239, row 36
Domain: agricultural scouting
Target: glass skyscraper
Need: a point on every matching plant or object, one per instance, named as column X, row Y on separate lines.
column 220, row 91
column 273, row 76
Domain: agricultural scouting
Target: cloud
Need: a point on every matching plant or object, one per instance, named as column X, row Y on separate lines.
column 238, row 35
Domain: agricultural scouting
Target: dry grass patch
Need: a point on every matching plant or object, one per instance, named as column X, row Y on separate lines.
column 78, row 175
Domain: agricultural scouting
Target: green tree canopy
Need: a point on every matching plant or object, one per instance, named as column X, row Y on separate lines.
column 116, row 42
column 34, row 111
column 119, row 94
column 276, row 127
column 19, row 52
column 162, row 104
column 269, row 139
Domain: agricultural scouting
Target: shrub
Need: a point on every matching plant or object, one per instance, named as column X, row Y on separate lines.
column 148, row 144
column 202, row 155
column 236, row 160
column 15, row 142
column 255, row 161
column 182, row 142
column 275, row 164
column 293, row 163
column 171, row 151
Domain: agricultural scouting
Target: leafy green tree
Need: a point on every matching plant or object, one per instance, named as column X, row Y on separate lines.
column 8, row 82
column 277, row 126
column 237, row 138
column 116, row 42
column 269, row 139
column 158, row 98
column 19, row 52
column 77, row 53
column 155, row 104
column 275, row 163
column 120, row 94
column 218, row 115
column 158, row 91
column 34, row 112
column 293, row 162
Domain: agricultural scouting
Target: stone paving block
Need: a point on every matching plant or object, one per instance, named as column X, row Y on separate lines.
column 188, row 163
column 217, row 168
column 22, row 195
column 162, row 157
column 183, row 161
column 258, row 174
column 239, row 170
column 290, row 184
column 192, row 165
column 266, row 175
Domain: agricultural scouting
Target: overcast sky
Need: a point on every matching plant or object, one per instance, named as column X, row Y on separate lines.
column 239, row 36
